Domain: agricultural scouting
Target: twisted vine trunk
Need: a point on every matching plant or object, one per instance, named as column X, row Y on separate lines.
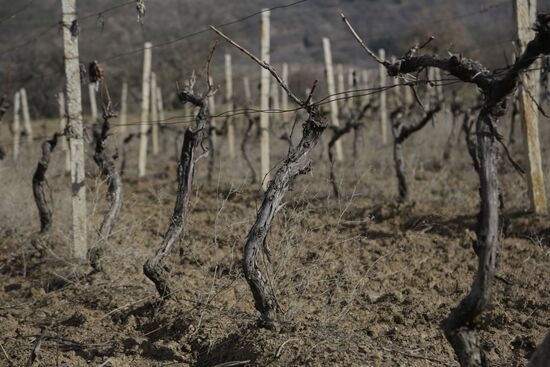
column 471, row 145
column 153, row 268
column 107, row 167
column 458, row 326
column 298, row 162
column 399, row 163
column 38, row 189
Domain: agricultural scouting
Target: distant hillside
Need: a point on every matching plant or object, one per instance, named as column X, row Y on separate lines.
column 296, row 35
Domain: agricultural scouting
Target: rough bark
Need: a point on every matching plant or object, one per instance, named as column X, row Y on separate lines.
column 471, row 145
column 38, row 189
column 153, row 268
column 459, row 327
column 107, row 167
column 177, row 136
column 399, row 164
column 298, row 162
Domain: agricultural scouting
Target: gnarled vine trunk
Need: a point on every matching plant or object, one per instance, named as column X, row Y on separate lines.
column 298, row 162
column 153, row 268
column 496, row 89
column 38, row 189
column 107, row 167
column 458, row 326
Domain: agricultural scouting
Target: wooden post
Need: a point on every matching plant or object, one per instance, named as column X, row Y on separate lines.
column 93, row 103
column 154, row 115
column 160, row 105
column 365, row 85
column 16, row 127
column 525, row 14
column 433, row 90
column 162, row 117
column 332, row 91
column 145, row 99
column 123, row 109
column 75, row 129
column 284, row 96
column 212, row 111
column 62, row 126
column 26, row 115
column 408, row 96
column 341, row 85
column 264, row 99
column 439, row 85
column 229, row 103
column 246, row 85
column 351, row 87
column 383, row 99
column 275, row 102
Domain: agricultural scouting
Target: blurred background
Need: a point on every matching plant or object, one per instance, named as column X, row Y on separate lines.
column 31, row 40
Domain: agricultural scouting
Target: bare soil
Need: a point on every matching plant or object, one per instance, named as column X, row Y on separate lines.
column 363, row 281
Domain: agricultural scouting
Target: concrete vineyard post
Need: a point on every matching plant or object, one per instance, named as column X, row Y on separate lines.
column 75, row 129
column 26, row 115
column 212, row 111
column 229, row 103
column 332, row 92
column 525, row 14
column 16, row 127
column 154, row 115
column 264, row 99
column 246, row 86
column 62, row 126
column 123, row 109
column 383, row 99
column 145, row 99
